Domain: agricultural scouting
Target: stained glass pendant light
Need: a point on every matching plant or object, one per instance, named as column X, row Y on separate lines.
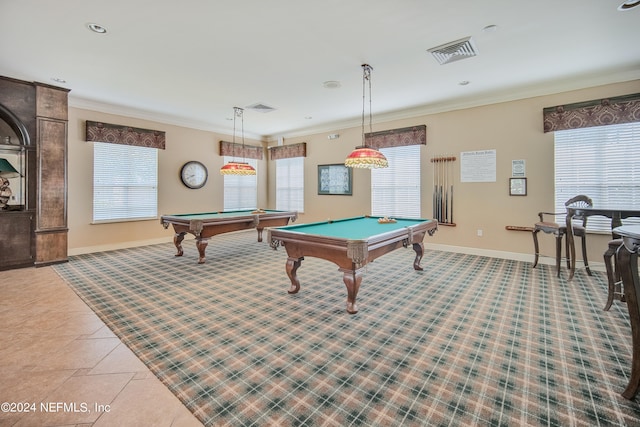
column 364, row 156
column 234, row 167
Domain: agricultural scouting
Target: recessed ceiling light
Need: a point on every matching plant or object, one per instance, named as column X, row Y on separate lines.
column 58, row 80
column 308, row 117
column 97, row 28
column 490, row 28
column 629, row 4
column 464, row 82
column 331, row 84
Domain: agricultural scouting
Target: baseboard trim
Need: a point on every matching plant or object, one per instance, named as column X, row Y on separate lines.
column 112, row 247
column 596, row 266
column 516, row 256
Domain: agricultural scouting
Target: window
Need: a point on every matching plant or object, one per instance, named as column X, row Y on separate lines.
column 125, row 182
column 601, row 162
column 240, row 191
column 290, row 184
column 395, row 191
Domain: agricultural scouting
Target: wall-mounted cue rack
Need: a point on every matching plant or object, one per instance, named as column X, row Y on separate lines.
column 443, row 174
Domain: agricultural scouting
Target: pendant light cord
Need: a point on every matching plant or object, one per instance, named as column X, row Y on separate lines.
column 366, row 76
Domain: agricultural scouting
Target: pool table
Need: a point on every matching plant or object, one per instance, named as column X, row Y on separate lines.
column 208, row 224
column 351, row 243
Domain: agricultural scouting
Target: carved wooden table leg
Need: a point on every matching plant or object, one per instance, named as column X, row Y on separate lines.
column 177, row 240
column 201, row 244
column 419, row 249
column 292, row 267
column 352, row 279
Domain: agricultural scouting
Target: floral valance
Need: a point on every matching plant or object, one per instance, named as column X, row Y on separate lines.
column 126, row 135
column 414, row 135
column 600, row 112
column 288, row 151
column 233, row 149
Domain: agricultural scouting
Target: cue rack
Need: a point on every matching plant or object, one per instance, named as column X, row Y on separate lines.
column 443, row 174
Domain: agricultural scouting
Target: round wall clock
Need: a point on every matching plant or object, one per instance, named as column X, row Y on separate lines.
column 194, row 174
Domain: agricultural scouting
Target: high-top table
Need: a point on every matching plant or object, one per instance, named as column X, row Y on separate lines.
column 616, row 215
column 627, row 258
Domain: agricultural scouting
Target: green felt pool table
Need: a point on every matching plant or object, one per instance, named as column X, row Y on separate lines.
column 207, row 224
column 351, row 243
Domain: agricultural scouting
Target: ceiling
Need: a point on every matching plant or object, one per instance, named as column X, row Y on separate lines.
column 190, row 62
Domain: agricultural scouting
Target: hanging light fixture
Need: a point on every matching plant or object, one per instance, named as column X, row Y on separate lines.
column 234, row 167
column 364, row 156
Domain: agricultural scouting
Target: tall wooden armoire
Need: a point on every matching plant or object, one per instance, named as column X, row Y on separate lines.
column 33, row 140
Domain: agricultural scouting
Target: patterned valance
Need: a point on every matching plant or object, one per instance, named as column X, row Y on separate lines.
column 600, row 112
column 126, row 135
column 414, row 135
column 288, row 151
column 233, row 149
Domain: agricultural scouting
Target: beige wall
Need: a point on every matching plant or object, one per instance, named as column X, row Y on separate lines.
column 182, row 145
column 513, row 129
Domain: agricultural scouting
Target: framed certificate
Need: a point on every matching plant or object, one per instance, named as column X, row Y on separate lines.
column 517, row 186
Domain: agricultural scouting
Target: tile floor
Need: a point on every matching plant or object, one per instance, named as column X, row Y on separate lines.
column 61, row 366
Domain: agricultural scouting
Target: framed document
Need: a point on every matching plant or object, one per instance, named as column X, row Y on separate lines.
column 517, row 186
column 334, row 179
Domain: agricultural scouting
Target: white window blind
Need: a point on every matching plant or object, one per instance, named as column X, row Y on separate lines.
column 240, row 191
column 125, row 182
column 395, row 191
column 601, row 162
column 290, row 184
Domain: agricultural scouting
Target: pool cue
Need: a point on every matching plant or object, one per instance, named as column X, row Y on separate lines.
column 446, row 190
column 451, row 190
column 434, row 186
column 442, row 183
column 439, row 190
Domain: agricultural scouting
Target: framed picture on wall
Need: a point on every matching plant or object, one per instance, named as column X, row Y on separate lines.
column 334, row 179
column 517, row 186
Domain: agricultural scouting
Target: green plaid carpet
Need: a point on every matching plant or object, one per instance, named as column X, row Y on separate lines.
column 469, row 341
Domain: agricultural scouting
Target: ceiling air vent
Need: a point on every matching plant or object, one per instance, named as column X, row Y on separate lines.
column 454, row 51
column 261, row 108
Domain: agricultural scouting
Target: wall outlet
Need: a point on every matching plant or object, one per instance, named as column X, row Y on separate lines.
column 479, row 232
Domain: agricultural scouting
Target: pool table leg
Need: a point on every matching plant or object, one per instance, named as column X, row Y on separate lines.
column 177, row 240
column 201, row 244
column 260, row 233
column 419, row 249
column 292, row 267
column 352, row 279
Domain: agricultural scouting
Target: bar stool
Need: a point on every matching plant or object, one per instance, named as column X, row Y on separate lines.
column 616, row 290
column 627, row 260
column 560, row 231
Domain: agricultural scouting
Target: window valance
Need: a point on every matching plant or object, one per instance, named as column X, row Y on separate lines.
column 414, row 135
column 600, row 112
column 288, row 151
column 125, row 135
column 233, row 149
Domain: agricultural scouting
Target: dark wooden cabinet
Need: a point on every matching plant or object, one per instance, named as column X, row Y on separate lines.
column 17, row 244
column 35, row 232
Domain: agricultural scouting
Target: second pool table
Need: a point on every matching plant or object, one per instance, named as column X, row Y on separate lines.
column 351, row 243
column 207, row 224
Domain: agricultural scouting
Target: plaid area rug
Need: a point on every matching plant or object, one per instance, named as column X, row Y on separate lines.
column 468, row 341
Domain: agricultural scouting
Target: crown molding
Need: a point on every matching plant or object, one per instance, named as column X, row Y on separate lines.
column 495, row 97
